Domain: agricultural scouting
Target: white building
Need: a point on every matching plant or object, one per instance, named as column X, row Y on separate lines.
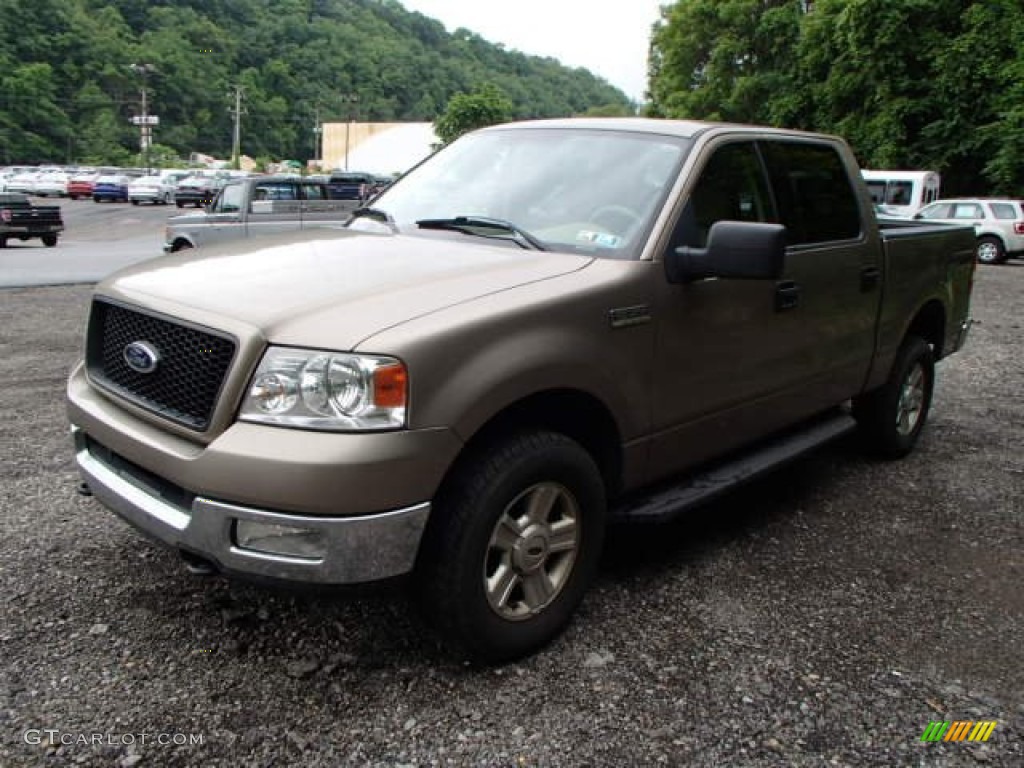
column 381, row 148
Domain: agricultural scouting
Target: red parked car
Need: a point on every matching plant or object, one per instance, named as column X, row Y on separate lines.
column 81, row 185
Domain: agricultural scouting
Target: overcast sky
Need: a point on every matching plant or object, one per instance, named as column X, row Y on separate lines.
column 610, row 40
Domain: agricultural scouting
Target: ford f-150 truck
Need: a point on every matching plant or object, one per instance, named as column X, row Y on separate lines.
column 257, row 205
column 20, row 220
column 546, row 327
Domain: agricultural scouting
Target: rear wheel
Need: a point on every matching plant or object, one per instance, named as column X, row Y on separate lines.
column 3, row 241
column 990, row 250
column 512, row 545
column 891, row 417
column 49, row 240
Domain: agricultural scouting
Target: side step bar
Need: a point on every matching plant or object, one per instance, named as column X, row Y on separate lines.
column 667, row 503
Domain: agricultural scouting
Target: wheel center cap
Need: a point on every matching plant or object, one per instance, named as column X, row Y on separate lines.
column 531, row 550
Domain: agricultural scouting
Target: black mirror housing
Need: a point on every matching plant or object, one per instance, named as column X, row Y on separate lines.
column 739, row 250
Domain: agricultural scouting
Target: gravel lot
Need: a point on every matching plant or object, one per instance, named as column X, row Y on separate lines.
column 821, row 617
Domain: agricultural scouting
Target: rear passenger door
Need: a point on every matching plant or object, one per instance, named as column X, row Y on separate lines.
column 275, row 205
column 318, row 209
column 834, row 266
column 738, row 359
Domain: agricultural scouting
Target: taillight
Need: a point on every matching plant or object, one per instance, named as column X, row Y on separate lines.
column 5, row 214
column 1018, row 227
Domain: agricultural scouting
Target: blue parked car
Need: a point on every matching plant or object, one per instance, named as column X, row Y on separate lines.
column 113, row 188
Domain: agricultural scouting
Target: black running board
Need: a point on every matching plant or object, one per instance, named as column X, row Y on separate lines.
column 667, row 503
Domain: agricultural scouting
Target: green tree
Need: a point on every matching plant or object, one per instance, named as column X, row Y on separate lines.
column 935, row 84
column 486, row 105
column 725, row 60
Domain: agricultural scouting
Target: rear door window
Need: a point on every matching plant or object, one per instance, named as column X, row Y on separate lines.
column 967, row 211
column 816, row 201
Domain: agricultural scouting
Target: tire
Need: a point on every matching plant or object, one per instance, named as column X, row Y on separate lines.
column 49, row 240
column 181, row 245
column 990, row 250
column 3, row 241
column 512, row 545
column 892, row 417
column 135, row 202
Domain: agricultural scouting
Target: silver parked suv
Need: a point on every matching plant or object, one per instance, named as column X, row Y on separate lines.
column 998, row 224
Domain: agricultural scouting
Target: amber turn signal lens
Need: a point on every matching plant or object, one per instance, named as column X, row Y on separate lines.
column 389, row 386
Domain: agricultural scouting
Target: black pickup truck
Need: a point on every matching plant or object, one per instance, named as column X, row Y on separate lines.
column 21, row 220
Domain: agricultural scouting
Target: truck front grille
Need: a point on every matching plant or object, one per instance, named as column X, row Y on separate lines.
column 192, row 362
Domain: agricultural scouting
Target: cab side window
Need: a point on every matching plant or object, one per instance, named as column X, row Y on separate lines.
column 816, row 200
column 230, row 200
column 937, row 211
column 731, row 187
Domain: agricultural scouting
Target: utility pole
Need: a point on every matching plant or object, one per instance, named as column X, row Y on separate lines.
column 145, row 121
column 317, row 130
column 237, row 112
column 351, row 98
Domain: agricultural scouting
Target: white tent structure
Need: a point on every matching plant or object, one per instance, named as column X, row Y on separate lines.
column 381, row 148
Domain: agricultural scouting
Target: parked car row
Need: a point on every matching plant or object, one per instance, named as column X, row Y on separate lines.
column 105, row 184
column 163, row 187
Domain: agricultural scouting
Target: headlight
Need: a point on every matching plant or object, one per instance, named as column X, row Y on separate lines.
column 327, row 390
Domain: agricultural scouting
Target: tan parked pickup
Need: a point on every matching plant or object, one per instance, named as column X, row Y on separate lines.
column 545, row 327
column 257, row 205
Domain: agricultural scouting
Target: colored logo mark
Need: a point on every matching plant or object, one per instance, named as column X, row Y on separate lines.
column 959, row 730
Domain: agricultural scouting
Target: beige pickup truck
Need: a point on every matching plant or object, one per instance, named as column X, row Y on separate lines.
column 546, row 327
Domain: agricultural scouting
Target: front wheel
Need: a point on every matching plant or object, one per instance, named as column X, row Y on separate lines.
column 512, row 545
column 990, row 250
column 892, row 417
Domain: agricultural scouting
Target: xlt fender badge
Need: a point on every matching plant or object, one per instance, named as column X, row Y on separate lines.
column 623, row 317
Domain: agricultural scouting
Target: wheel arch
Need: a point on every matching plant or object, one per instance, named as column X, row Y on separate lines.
column 577, row 414
column 181, row 243
column 929, row 323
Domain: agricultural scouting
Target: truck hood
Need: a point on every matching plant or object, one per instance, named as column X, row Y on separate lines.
column 330, row 288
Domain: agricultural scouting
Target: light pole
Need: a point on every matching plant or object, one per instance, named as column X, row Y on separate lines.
column 145, row 121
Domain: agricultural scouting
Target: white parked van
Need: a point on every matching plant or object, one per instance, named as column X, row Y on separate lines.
column 902, row 193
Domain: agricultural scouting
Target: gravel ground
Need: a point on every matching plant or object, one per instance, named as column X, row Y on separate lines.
column 821, row 617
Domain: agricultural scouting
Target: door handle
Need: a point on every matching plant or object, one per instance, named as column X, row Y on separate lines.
column 870, row 277
column 787, row 295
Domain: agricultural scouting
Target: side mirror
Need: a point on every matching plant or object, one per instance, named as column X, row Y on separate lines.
column 740, row 250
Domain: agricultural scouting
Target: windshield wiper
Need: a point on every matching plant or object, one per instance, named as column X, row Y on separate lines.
column 377, row 215
column 471, row 225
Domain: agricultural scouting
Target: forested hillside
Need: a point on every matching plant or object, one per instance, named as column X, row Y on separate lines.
column 72, row 74
column 910, row 83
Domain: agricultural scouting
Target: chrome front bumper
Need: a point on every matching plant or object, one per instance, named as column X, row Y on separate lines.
column 357, row 549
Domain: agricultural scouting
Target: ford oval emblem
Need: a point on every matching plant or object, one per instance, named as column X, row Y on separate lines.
column 141, row 357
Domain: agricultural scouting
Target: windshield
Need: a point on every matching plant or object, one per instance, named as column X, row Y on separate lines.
column 580, row 190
